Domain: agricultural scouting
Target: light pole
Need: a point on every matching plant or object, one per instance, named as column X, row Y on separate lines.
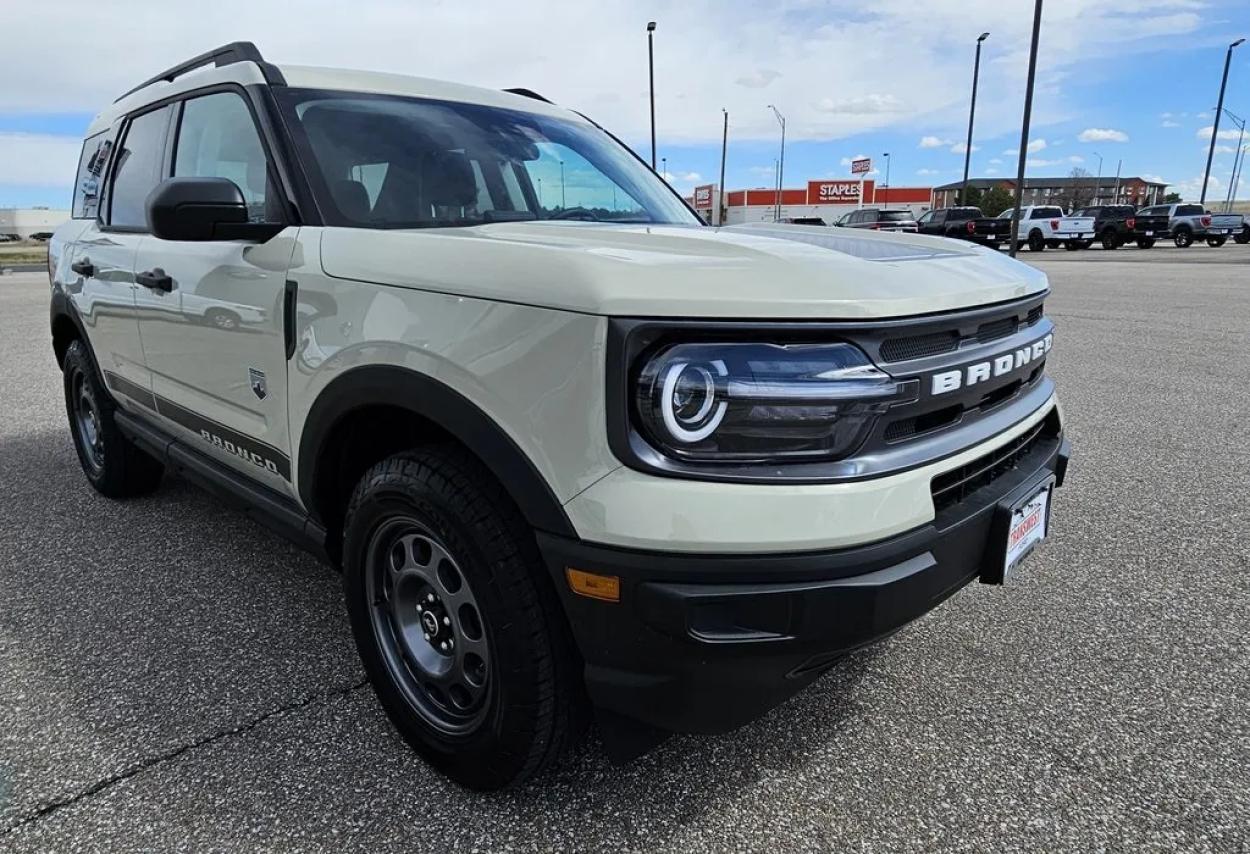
column 1239, row 162
column 651, row 77
column 541, row 203
column 1215, row 130
column 724, row 148
column 562, row 199
column 664, row 169
column 1024, row 128
column 1098, row 180
column 972, row 112
column 781, row 163
column 886, row 155
column 1241, row 135
column 1115, row 200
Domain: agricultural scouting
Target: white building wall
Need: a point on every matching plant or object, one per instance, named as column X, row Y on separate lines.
column 24, row 222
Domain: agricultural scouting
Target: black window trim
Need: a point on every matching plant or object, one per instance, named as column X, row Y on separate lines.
column 271, row 139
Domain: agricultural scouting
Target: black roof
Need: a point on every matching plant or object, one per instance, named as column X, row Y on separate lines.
column 1042, row 183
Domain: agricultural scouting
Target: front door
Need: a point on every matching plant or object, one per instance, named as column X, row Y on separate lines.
column 211, row 314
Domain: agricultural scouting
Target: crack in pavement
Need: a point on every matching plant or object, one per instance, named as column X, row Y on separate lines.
column 48, row 809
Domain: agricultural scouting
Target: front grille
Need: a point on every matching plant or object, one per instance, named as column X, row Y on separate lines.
column 954, row 486
column 918, row 346
column 1035, row 314
column 997, row 329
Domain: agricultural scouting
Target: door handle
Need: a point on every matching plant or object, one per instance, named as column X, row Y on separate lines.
column 155, row 279
column 83, row 268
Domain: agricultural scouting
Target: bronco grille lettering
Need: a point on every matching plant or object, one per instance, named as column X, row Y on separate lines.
column 969, row 375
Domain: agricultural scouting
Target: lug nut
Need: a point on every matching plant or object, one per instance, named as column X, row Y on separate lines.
column 443, row 645
column 429, row 597
column 420, row 607
column 446, row 621
column 426, row 636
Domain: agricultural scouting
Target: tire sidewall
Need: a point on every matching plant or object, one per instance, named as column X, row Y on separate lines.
column 77, row 364
column 1183, row 238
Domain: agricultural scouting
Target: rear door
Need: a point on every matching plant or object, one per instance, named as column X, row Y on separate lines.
column 213, row 334
column 101, row 281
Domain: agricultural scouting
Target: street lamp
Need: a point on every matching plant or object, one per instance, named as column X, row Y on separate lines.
column 1024, row 126
column 541, row 203
column 1241, row 135
column 724, row 148
column 1098, row 180
column 886, row 155
column 972, row 112
column 651, row 76
column 664, row 169
column 781, row 163
column 562, row 199
column 1215, row 130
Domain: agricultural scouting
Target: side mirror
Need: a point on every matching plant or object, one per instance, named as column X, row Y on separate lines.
column 202, row 209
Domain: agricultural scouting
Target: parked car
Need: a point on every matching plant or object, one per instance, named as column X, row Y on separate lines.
column 634, row 467
column 879, row 219
column 965, row 223
column 1043, row 226
column 1113, row 224
column 1188, row 222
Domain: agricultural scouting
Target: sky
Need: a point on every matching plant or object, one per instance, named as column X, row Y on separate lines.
column 1134, row 81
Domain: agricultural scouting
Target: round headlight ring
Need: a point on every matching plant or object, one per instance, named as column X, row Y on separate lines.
column 710, row 412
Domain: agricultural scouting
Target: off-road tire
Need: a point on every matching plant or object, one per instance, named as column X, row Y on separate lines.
column 1145, row 242
column 1242, row 237
column 1184, row 238
column 534, row 705
column 1036, row 242
column 1109, row 239
column 113, row 464
column 1216, row 242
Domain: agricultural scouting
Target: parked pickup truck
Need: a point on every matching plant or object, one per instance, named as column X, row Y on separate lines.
column 965, row 223
column 1116, row 225
column 1242, row 236
column 1190, row 222
column 1043, row 226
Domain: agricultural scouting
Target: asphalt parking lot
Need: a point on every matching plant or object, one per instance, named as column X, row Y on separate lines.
column 173, row 677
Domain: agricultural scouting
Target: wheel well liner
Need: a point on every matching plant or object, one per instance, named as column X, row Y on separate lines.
column 391, row 387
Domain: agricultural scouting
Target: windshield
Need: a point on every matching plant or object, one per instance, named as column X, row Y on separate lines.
column 395, row 162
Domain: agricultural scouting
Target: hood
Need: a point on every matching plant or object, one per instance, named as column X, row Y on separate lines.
column 762, row 271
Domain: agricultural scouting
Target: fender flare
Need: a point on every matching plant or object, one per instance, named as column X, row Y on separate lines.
column 62, row 308
column 443, row 406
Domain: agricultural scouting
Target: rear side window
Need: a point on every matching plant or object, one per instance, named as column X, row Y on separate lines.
column 138, row 168
column 1189, row 210
column 896, row 216
column 91, row 163
column 218, row 139
column 1046, row 213
column 960, row 214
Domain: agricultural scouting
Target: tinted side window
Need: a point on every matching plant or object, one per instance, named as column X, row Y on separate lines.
column 1189, row 210
column 95, row 156
column 138, row 168
column 217, row 139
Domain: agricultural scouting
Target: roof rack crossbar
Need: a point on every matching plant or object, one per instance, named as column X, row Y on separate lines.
column 227, row 54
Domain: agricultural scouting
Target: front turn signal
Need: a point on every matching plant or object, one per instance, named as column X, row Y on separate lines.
column 606, row 588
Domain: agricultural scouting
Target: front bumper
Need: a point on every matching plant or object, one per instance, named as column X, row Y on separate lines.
column 708, row 642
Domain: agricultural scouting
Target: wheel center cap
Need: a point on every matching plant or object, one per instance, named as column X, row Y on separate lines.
column 430, row 622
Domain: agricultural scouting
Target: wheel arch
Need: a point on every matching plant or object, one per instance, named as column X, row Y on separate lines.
column 424, row 409
column 67, row 327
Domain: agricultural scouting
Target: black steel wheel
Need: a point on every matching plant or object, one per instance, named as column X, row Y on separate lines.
column 1036, row 242
column 457, row 621
column 428, row 625
column 1109, row 239
column 111, row 462
column 1183, row 238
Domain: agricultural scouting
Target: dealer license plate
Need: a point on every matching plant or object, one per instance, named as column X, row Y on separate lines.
column 1027, row 529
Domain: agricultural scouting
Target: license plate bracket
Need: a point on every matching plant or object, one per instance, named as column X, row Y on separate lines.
column 1021, row 522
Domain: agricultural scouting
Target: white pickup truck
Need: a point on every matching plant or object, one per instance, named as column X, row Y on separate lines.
column 1043, row 226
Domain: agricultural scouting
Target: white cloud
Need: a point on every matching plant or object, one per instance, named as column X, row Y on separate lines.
column 996, row 161
column 592, row 56
column 1231, row 134
column 1076, row 158
column 862, row 105
column 1033, row 147
column 992, row 170
column 934, row 142
column 1225, row 149
column 758, row 79
column 846, row 161
column 1102, row 135
column 38, row 160
column 1191, row 190
column 928, row 172
column 1168, row 123
column 961, row 147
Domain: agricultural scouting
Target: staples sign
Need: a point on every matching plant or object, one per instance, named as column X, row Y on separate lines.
column 861, row 167
column 833, row 192
column 703, row 196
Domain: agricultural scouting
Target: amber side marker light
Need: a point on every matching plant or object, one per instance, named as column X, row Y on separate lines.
column 604, row 587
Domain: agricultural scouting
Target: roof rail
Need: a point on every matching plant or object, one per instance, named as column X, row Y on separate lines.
column 227, row 54
column 529, row 93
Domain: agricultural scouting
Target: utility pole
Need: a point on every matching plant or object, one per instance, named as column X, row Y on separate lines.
column 1116, row 199
column 651, row 76
column 1024, row 129
column 1215, row 129
column 720, row 192
column 781, row 163
column 972, row 112
column 1098, row 180
column 886, row 155
column 1241, row 135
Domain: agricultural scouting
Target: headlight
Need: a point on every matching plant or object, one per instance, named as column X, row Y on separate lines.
column 762, row 402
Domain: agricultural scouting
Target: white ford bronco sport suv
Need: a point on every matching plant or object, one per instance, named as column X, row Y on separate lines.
column 577, row 455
